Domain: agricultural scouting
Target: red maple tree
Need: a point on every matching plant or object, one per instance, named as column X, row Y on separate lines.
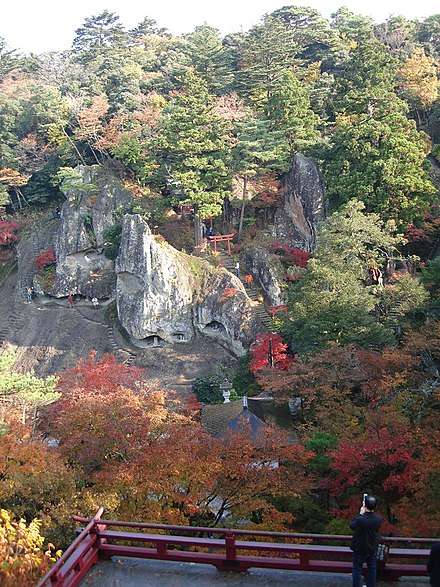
column 269, row 350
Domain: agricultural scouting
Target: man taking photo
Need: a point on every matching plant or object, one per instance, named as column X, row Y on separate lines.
column 364, row 542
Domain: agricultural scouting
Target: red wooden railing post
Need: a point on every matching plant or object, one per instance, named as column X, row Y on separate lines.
column 231, row 551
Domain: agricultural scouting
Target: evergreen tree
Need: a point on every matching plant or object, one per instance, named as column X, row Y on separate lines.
column 333, row 302
column 265, row 56
column 96, row 35
column 9, row 59
column 308, row 30
column 192, row 150
column 374, row 153
column 289, row 109
column 208, row 57
column 259, row 150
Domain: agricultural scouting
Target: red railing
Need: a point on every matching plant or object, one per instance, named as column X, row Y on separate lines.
column 226, row 549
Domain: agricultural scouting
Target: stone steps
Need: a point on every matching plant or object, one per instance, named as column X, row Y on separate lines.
column 259, row 309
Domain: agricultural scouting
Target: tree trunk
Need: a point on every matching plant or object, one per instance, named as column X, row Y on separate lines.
column 198, row 234
column 74, row 146
column 243, row 206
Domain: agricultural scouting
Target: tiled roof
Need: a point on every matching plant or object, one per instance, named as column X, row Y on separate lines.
column 217, row 419
column 248, row 421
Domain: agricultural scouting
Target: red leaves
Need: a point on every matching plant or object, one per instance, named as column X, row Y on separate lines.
column 293, row 254
column 8, row 232
column 383, row 459
column 269, row 351
column 228, row 293
column 45, row 258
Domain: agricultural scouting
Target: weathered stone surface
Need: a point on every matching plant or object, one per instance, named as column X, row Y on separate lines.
column 84, row 217
column 267, row 272
column 303, row 208
column 164, row 296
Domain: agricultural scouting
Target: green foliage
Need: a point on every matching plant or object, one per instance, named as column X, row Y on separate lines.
column 289, row 108
column 207, row 55
column 431, row 280
column 112, row 241
column 338, row 526
column 243, row 380
column 207, row 389
column 320, row 444
column 96, row 35
column 71, row 180
column 30, row 391
column 267, row 52
column 374, row 153
column 192, row 150
column 332, row 302
column 404, row 293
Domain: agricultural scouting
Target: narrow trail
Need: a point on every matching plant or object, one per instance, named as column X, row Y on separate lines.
column 258, row 307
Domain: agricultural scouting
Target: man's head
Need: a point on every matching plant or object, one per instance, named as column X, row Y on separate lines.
column 370, row 503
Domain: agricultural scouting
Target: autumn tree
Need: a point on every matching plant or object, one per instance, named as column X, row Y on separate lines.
column 35, row 482
column 381, row 459
column 323, row 383
column 269, row 350
column 419, row 83
column 8, row 232
column 235, row 476
column 23, row 557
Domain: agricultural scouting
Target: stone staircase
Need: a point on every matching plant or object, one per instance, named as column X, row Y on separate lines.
column 258, row 307
column 127, row 356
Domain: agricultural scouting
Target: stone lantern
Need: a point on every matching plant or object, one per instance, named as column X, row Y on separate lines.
column 225, row 388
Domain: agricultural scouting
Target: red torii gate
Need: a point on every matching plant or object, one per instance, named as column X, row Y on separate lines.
column 273, row 310
column 222, row 237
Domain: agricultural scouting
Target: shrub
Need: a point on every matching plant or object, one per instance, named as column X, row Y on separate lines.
column 22, row 558
column 8, row 232
column 112, row 237
column 207, row 389
column 46, row 258
column 290, row 254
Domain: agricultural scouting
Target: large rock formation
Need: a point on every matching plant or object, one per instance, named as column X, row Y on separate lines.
column 164, row 296
column 303, row 208
column 91, row 206
column 267, row 271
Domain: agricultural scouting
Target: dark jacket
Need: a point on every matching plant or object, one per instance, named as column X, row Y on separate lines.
column 434, row 565
column 366, row 533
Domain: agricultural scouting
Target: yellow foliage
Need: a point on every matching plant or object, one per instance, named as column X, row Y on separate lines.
column 419, row 77
column 23, row 559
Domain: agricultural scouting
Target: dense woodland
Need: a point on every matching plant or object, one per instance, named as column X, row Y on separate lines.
column 213, row 123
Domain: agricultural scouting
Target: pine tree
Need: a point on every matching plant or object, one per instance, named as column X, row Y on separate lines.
column 192, row 150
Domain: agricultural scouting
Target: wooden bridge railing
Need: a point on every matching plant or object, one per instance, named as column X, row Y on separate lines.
column 226, row 549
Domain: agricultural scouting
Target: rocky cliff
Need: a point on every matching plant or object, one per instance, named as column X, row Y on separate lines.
column 164, row 296
column 92, row 205
column 303, row 206
column 267, row 271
